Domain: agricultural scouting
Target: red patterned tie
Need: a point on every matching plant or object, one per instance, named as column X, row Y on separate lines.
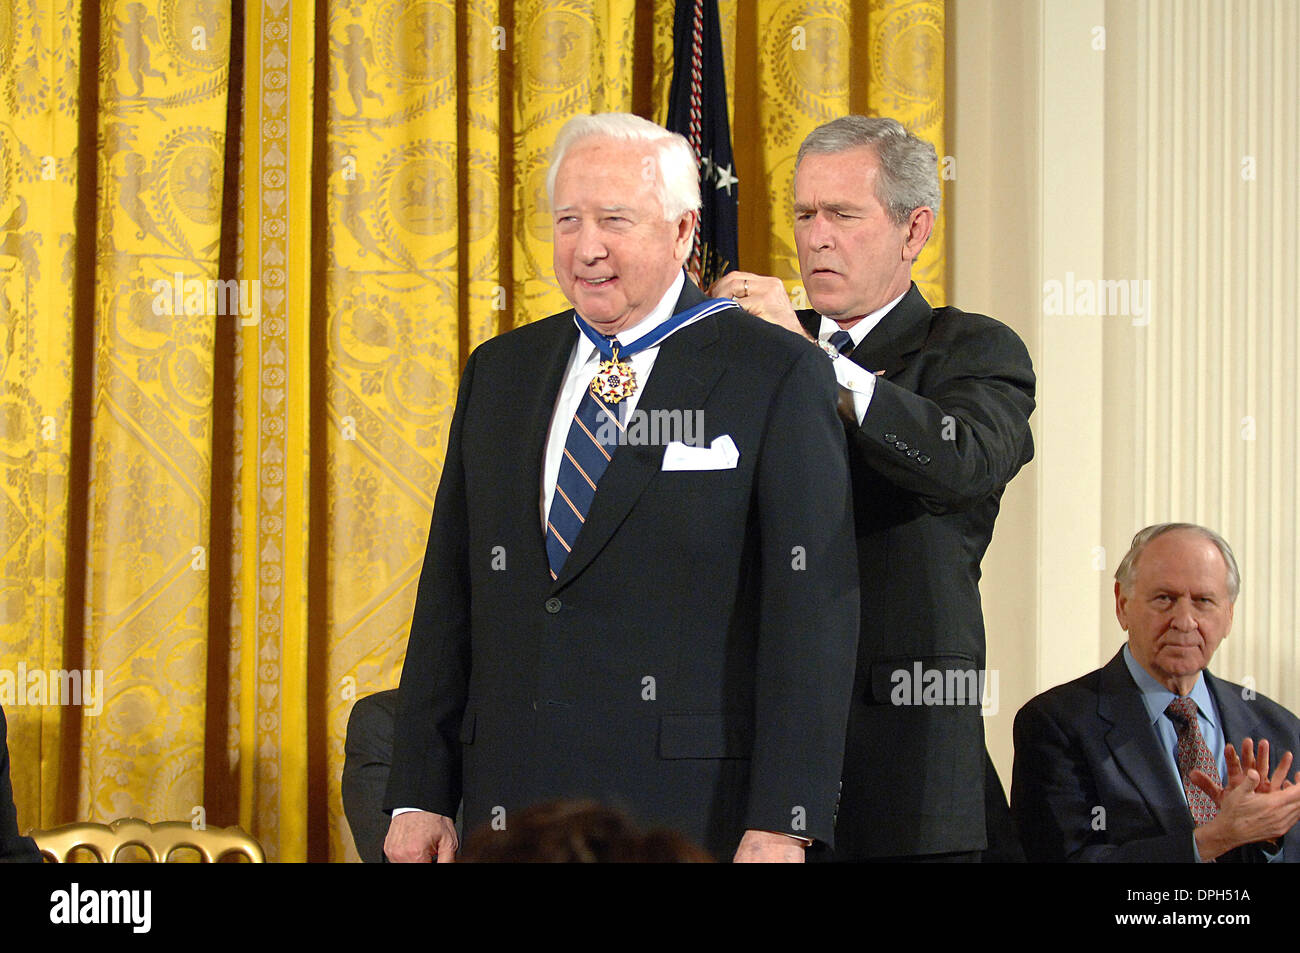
column 1193, row 753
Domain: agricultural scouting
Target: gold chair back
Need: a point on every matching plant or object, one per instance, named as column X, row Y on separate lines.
column 159, row 841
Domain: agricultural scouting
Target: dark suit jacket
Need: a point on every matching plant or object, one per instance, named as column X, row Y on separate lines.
column 367, row 760
column 692, row 662
column 947, row 428
column 1089, row 743
column 14, row 848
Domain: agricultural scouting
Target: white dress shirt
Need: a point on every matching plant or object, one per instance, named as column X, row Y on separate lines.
column 861, row 381
column 584, row 362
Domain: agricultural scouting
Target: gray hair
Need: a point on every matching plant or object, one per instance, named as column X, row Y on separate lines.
column 1126, row 572
column 909, row 166
column 677, row 185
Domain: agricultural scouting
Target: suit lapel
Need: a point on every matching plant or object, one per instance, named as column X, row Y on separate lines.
column 1237, row 720
column 682, row 378
column 897, row 337
column 890, row 344
column 1136, row 747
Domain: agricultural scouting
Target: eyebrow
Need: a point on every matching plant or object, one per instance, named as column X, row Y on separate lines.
column 602, row 208
column 1195, row 593
column 829, row 206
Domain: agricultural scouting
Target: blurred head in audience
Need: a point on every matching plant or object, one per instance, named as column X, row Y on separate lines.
column 576, row 832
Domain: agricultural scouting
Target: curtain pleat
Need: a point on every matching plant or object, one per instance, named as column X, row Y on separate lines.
column 161, row 125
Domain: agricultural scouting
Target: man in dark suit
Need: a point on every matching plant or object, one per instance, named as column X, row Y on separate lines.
column 936, row 403
column 664, row 623
column 14, row 848
column 1136, row 761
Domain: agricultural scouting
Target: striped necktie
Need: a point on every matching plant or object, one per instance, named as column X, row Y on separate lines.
column 842, row 341
column 586, row 455
column 596, row 431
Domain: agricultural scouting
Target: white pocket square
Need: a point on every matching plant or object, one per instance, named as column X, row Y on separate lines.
column 720, row 455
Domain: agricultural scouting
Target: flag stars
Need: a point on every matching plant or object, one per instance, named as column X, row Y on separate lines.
column 725, row 178
column 721, row 174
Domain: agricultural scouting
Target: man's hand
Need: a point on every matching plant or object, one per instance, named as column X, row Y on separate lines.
column 1249, row 761
column 764, row 847
column 762, row 296
column 417, row 837
column 1247, row 816
column 1237, row 768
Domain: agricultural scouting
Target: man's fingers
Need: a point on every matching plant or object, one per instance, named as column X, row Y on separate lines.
column 447, row 851
column 742, row 286
column 734, row 284
column 403, row 852
column 1234, row 763
column 715, row 290
column 762, row 296
column 1279, row 776
column 1206, row 784
column 1247, row 754
column 1261, row 759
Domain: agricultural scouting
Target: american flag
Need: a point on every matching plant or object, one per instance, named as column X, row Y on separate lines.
column 697, row 108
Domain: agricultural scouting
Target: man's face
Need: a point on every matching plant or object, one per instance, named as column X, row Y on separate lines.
column 615, row 256
column 1178, row 611
column 852, row 256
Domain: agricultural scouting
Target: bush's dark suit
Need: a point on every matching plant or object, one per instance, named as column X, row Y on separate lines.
column 1089, row 744
column 947, row 428
column 692, row 662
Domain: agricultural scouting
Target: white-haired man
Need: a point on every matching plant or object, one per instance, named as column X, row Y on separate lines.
column 1138, row 760
column 664, row 622
column 936, row 405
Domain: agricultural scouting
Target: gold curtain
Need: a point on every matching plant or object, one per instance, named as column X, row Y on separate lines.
column 238, row 281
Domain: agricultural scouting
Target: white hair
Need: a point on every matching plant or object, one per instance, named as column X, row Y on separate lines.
column 1126, row 572
column 677, row 185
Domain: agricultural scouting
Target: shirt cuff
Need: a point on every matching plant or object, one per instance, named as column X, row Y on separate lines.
column 857, row 379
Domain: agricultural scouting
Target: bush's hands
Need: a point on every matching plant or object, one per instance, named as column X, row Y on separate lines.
column 418, row 837
column 762, row 296
column 764, row 847
column 1254, row 807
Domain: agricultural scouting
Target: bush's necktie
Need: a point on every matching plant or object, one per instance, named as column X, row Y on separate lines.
column 842, row 341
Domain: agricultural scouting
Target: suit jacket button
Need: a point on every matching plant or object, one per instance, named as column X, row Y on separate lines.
column 900, row 445
column 553, row 605
column 890, row 437
column 923, row 459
